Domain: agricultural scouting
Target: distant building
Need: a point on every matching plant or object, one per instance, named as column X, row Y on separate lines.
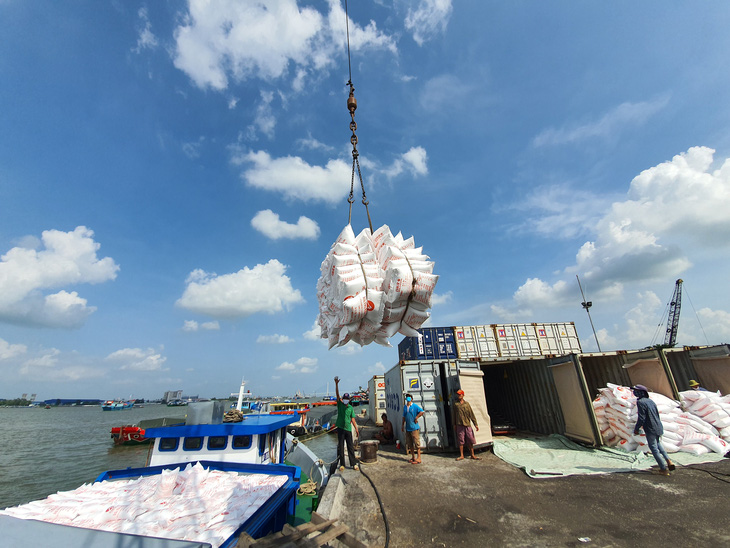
column 172, row 395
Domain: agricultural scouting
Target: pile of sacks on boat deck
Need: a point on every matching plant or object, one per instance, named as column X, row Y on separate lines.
column 697, row 425
column 195, row 504
column 373, row 286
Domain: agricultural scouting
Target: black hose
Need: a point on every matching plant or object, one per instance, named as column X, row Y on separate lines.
column 382, row 508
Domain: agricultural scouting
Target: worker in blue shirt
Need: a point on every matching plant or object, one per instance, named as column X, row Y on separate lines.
column 411, row 413
column 653, row 429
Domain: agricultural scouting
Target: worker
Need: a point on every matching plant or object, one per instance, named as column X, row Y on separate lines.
column 694, row 385
column 648, row 418
column 386, row 435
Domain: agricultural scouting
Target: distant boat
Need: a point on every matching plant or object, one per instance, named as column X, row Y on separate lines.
column 176, row 403
column 116, row 405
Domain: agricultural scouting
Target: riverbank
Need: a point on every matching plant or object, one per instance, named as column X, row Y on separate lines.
column 444, row 502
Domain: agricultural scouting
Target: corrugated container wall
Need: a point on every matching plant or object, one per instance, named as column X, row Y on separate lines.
column 523, row 393
column 681, row 361
column 600, row 369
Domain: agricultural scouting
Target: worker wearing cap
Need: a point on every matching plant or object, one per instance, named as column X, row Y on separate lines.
column 649, row 420
column 694, row 385
column 345, row 423
column 463, row 417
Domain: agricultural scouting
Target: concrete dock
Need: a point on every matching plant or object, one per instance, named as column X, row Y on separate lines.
column 487, row 502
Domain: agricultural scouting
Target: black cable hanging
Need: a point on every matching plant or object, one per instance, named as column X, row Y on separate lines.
column 352, row 106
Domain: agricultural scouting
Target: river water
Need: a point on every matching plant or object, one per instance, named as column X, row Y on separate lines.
column 43, row 451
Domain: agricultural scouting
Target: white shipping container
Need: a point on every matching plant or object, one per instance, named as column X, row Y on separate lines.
column 547, row 339
column 527, row 338
column 507, row 339
column 466, row 347
column 487, row 345
column 376, row 395
column 568, row 338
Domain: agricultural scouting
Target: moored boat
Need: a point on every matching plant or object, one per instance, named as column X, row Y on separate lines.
column 116, row 405
column 172, row 496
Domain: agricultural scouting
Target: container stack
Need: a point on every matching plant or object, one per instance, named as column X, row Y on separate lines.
column 373, row 286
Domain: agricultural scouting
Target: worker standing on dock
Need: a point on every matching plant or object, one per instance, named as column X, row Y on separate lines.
column 345, row 423
column 648, row 418
column 463, row 417
column 411, row 413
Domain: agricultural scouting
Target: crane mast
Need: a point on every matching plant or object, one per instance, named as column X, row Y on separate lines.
column 670, row 339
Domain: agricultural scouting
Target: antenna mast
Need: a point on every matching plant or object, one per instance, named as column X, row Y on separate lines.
column 587, row 304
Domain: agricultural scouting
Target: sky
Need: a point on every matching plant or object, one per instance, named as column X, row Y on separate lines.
column 173, row 174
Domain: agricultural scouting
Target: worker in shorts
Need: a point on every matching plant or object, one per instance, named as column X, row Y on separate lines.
column 463, row 417
column 411, row 413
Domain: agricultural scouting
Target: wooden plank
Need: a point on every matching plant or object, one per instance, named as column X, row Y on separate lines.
column 347, row 538
column 329, row 534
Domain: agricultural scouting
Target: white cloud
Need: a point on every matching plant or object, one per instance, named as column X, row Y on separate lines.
column 137, row 359
column 377, row 369
column 67, row 258
column 192, row 149
column 192, row 325
column 8, row 350
column 270, row 225
column 274, row 339
column 263, row 288
column 429, row 19
column 231, row 40
column 310, row 143
column 442, row 298
column 301, row 366
column 610, row 124
column 314, row 334
column 415, row 160
column 264, row 119
column 146, row 39
column 439, row 94
column 295, row 178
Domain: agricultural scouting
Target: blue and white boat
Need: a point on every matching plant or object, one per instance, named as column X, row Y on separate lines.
column 116, row 405
column 174, row 501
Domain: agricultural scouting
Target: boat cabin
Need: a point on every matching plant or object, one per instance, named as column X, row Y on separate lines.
column 258, row 439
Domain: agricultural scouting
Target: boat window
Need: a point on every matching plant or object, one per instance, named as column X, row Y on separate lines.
column 241, row 442
column 217, row 442
column 263, row 443
column 193, row 444
column 169, row 444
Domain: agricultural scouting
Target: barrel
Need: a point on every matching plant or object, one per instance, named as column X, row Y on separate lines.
column 369, row 450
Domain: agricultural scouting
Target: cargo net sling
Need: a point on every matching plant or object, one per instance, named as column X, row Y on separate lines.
column 375, row 284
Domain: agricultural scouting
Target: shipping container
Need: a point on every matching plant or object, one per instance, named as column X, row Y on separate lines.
column 489, row 342
column 433, row 386
column 708, row 365
column 434, row 343
column 376, row 398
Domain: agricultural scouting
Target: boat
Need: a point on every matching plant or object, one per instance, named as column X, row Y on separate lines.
column 176, row 403
column 261, row 469
column 134, row 434
column 116, row 405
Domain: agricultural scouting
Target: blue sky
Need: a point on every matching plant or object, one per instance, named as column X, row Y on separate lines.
column 172, row 175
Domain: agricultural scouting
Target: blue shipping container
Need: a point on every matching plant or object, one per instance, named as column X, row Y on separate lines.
column 435, row 343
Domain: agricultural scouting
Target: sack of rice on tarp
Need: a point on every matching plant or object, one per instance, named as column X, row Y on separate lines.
column 373, row 286
column 684, row 430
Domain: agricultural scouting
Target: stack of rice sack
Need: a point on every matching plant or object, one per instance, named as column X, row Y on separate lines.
column 373, row 286
column 615, row 409
column 713, row 408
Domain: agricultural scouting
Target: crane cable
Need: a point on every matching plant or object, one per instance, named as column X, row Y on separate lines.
column 352, row 106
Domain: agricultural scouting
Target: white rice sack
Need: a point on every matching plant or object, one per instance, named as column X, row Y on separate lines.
column 719, row 419
column 662, row 401
column 670, row 447
column 695, row 449
column 714, row 443
column 628, row 446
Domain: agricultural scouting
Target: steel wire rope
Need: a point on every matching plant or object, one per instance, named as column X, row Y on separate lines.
column 696, row 315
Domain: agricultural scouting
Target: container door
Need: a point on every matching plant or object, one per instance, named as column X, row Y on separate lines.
column 580, row 423
column 651, row 373
column 472, row 383
column 423, row 382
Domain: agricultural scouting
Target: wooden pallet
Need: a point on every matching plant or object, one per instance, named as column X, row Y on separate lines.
column 317, row 532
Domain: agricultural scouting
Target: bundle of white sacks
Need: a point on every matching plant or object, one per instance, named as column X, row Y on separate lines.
column 697, row 425
column 195, row 504
column 373, row 286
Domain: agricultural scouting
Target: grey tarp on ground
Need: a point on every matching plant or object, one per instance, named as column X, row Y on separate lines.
column 556, row 455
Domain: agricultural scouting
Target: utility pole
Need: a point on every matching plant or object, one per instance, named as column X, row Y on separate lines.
column 587, row 304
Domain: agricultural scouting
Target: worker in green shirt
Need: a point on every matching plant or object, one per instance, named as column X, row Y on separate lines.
column 345, row 423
